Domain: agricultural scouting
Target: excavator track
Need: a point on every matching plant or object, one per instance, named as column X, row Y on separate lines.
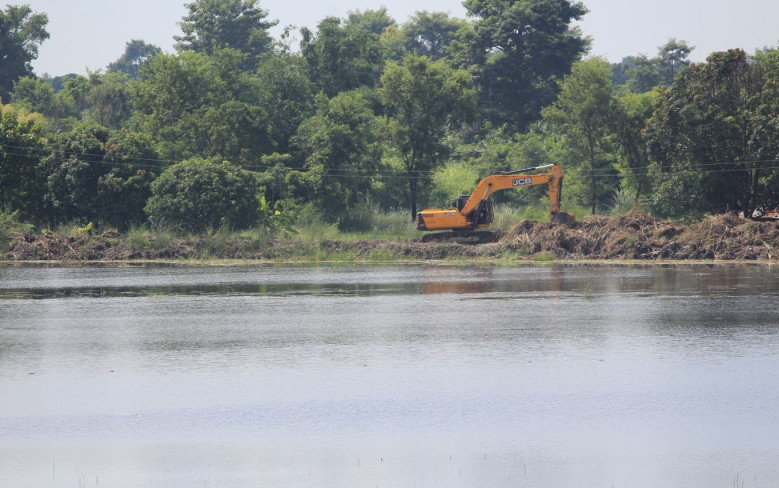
column 463, row 237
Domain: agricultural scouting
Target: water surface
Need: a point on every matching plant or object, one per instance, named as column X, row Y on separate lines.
column 415, row 375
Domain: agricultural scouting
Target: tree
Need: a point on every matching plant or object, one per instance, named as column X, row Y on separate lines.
column 424, row 98
column 714, row 136
column 38, row 95
column 96, row 175
column 107, row 99
column 132, row 164
column 214, row 25
column 286, row 95
column 518, row 50
column 582, row 116
column 196, row 105
column 136, row 54
column 341, row 57
column 632, row 112
column 199, row 195
column 430, row 33
column 341, row 149
column 21, row 146
column 374, row 21
column 100, row 97
column 672, row 57
column 21, row 32
column 641, row 74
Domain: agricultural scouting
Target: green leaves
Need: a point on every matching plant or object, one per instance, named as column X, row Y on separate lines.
column 199, row 195
column 583, row 116
column 341, row 57
column 21, row 32
column 714, row 134
column 341, row 147
column 94, row 174
column 423, row 99
column 196, row 105
column 518, row 50
column 214, row 25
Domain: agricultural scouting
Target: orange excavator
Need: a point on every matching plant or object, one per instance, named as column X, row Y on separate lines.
column 475, row 211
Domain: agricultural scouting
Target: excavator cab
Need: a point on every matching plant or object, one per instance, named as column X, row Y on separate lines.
column 460, row 202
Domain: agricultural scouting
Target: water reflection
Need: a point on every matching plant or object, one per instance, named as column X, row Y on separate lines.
column 103, row 282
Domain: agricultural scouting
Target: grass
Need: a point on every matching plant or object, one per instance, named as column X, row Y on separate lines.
column 393, row 224
column 311, row 238
column 544, row 257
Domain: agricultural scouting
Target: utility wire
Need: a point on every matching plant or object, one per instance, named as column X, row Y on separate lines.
column 699, row 168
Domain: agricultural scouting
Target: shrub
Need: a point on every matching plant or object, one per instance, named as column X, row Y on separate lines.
column 198, row 195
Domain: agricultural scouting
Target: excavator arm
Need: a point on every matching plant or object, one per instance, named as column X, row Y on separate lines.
column 476, row 212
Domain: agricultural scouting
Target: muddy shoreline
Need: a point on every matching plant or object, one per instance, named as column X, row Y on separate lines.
column 632, row 237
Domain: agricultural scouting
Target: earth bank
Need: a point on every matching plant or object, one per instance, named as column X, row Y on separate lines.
column 633, row 236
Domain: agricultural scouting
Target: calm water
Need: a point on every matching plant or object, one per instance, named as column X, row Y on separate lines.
column 389, row 376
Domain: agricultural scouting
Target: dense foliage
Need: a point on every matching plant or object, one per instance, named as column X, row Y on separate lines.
column 370, row 113
column 21, row 32
column 198, row 195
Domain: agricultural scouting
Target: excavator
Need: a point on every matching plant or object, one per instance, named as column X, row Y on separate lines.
column 475, row 211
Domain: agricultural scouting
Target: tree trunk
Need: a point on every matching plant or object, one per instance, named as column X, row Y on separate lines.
column 591, row 145
column 412, row 192
column 638, row 193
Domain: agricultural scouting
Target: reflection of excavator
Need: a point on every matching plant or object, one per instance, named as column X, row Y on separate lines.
column 475, row 211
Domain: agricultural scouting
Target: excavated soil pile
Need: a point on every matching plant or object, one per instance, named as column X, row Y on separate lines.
column 631, row 236
column 639, row 236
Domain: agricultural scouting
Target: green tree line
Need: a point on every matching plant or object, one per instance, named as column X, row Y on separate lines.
column 235, row 127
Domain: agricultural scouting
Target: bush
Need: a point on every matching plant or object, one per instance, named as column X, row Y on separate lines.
column 198, row 195
column 359, row 218
column 11, row 229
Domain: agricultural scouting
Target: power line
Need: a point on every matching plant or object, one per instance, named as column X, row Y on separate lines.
column 612, row 172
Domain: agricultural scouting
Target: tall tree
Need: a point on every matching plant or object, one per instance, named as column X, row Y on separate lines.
column 21, row 32
column 136, row 54
column 286, row 94
column 430, row 33
column 212, row 25
column 194, row 105
column 374, row 21
column 341, row 149
column 21, row 146
column 582, row 115
column 641, row 74
column 107, row 99
column 341, row 57
column 672, row 57
column 633, row 110
column 423, row 99
column 714, row 136
column 518, row 50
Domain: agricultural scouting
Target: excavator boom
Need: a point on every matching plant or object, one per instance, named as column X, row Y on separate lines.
column 476, row 211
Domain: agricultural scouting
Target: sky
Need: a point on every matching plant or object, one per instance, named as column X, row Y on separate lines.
column 90, row 34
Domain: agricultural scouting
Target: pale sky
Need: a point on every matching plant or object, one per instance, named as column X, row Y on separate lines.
column 89, row 34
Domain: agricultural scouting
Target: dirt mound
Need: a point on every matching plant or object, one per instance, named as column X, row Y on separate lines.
column 639, row 236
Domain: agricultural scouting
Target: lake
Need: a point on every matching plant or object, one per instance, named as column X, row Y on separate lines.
column 389, row 376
